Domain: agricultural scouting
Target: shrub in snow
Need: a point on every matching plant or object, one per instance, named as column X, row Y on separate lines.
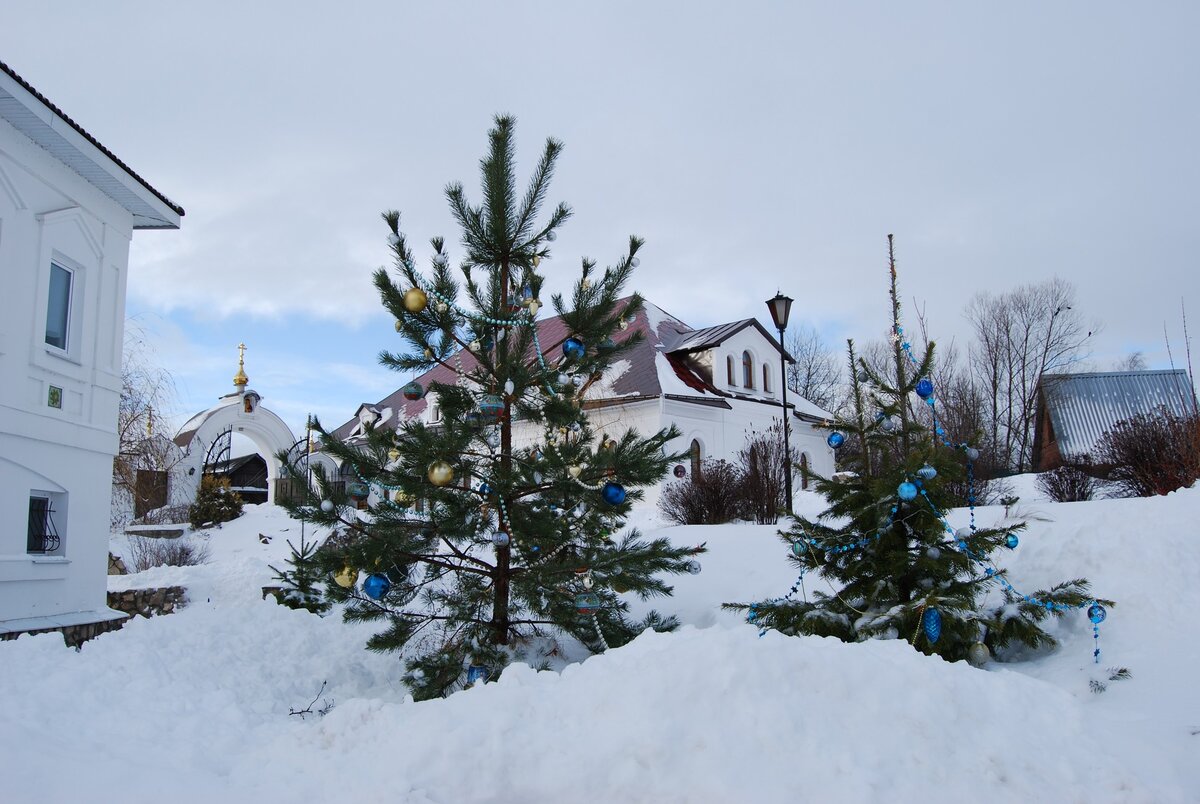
column 713, row 496
column 1151, row 454
column 146, row 552
column 1069, row 482
column 761, row 462
column 215, row 503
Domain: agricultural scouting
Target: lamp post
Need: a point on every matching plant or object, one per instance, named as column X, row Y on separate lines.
column 780, row 306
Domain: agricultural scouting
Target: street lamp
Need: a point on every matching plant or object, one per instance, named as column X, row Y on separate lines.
column 780, row 307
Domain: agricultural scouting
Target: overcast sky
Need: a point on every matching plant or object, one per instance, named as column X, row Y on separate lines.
column 755, row 146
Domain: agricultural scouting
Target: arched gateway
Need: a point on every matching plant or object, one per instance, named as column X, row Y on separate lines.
column 242, row 413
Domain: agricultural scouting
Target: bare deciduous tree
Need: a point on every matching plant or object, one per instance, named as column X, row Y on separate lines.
column 1021, row 335
column 147, row 396
column 816, row 375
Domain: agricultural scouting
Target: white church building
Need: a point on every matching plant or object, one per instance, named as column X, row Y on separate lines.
column 68, row 209
column 717, row 385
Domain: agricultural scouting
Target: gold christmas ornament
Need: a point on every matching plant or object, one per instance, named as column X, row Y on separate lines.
column 401, row 497
column 442, row 307
column 346, row 577
column 415, row 300
column 399, row 325
column 440, row 473
column 428, row 353
column 393, row 454
column 587, row 284
column 575, row 471
column 534, row 306
column 537, row 259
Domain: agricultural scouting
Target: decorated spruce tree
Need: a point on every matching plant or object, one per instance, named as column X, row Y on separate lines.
column 490, row 535
column 891, row 564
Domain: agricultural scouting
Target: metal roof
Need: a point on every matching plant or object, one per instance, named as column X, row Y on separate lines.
column 709, row 337
column 1082, row 407
column 31, row 113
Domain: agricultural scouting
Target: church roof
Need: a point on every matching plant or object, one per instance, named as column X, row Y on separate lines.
column 655, row 367
column 1082, row 407
column 32, row 113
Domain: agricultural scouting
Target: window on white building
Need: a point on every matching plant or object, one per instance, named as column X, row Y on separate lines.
column 58, row 306
column 694, row 453
column 766, row 378
column 729, row 370
column 747, row 371
column 43, row 536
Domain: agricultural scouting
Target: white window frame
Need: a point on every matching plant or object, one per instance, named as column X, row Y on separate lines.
column 68, row 330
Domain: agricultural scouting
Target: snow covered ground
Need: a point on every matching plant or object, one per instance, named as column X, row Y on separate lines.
column 195, row 705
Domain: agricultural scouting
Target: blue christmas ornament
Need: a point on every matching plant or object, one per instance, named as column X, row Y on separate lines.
column 573, row 348
column 587, row 602
column 485, row 488
column 927, row 472
column 500, row 538
column 798, row 549
column 1012, row 541
column 376, row 586
column 491, row 407
column 924, row 387
column 477, row 674
column 1096, row 613
column 932, row 623
column 907, row 491
column 972, row 454
column 613, row 493
column 835, row 439
column 413, row 390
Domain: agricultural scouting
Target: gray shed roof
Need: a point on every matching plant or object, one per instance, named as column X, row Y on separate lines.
column 1082, row 407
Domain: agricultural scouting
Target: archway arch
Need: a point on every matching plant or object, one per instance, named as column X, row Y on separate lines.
column 242, row 414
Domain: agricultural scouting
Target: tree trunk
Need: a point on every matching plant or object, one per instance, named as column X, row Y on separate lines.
column 503, row 573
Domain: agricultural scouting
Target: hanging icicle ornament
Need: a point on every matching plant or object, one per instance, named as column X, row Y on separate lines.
column 835, row 439
column 924, row 388
column 906, row 491
column 931, row 622
column 613, row 493
column 573, row 348
column 415, row 300
column 376, row 586
column 440, row 473
column 927, row 472
column 412, row 391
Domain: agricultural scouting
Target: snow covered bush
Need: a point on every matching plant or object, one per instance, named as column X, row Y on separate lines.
column 215, row 503
column 1070, row 482
column 146, row 552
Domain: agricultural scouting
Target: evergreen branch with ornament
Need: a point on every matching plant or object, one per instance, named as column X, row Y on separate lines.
column 496, row 533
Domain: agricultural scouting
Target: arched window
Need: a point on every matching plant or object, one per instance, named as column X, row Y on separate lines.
column 729, row 369
column 747, row 370
column 694, row 452
column 766, row 378
column 804, row 470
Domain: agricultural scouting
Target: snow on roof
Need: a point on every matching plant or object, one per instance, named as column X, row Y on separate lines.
column 1082, row 407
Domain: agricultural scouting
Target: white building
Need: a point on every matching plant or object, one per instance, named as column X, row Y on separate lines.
column 68, row 208
column 716, row 385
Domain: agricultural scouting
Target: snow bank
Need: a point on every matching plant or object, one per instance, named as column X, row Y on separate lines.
column 195, row 704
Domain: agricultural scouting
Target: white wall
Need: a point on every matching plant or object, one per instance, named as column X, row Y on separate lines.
column 48, row 212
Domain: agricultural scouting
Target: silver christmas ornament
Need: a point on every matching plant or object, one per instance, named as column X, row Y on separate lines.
column 327, row 506
column 978, row 654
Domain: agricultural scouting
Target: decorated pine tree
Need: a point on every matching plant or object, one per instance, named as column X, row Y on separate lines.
column 888, row 561
column 491, row 534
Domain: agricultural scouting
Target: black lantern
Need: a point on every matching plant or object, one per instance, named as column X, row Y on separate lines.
column 781, row 307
